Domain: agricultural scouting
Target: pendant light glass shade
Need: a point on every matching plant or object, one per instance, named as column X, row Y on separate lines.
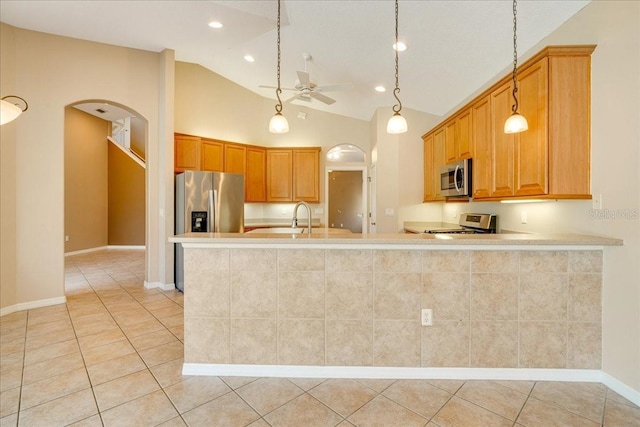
column 515, row 123
column 278, row 124
column 10, row 111
column 396, row 124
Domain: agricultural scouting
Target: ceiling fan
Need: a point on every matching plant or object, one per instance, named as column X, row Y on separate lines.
column 306, row 89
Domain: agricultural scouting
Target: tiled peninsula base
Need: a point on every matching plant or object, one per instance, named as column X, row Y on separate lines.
column 520, row 308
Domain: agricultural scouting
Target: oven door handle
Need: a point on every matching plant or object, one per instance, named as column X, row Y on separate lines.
column 455, row 178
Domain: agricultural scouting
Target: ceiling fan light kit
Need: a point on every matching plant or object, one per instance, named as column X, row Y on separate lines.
column 397, row 124
column 516, row 123
column 278, row 123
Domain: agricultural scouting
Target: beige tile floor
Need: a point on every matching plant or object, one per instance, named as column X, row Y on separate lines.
column 112, row 356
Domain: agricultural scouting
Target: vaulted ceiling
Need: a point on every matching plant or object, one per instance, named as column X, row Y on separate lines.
column 454, row 46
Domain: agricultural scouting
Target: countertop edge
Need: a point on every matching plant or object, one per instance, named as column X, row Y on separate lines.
column 416, row 240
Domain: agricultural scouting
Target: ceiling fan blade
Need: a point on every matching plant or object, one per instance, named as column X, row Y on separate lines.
column 330, row 88
column 293, row 98
column 322, row 98
column 303, row 77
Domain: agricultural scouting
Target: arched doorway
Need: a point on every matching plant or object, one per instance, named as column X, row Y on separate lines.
column 105, row 196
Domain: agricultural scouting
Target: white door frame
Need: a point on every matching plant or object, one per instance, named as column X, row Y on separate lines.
column 363, row 170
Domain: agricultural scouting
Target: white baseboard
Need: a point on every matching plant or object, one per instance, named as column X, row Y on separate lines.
column 86, row 251
column 621, row 388
column 32, row 304
column 104, row 248
column 127, row 247
column 290, row 371
column 163, row 286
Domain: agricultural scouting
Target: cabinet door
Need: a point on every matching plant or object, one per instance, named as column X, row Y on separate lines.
column 235, row 158
column 279, row 175
column 463, row 135
column 212, row 155
column 439, row 160
column 501, row 101
column 451, row 149
column 481, row 163
column 255, row 178
column 186, row 152
column 306, row 169
column 531, row 146
column 429, row 173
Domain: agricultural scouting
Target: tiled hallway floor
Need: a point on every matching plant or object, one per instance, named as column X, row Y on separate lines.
column 112, row 356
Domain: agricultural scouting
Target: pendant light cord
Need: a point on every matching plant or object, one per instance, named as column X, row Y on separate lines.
column 514, row 108
column 278, row 90
column 396, row 91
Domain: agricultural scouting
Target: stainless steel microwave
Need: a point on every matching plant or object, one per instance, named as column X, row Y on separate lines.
column 455, row 179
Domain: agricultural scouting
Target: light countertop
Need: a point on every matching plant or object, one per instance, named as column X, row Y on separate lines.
column 321, row 236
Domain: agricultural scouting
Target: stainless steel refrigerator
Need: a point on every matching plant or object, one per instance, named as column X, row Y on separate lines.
column 207, row 202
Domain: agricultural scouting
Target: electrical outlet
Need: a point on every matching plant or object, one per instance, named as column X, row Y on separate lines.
column 388, row 211
column 596, row 202
column 523, row 217
column 455, row 213
column 427, row 317
column 66, row 238
column 283, row 211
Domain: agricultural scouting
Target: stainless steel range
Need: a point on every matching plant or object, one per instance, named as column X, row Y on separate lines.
column 470, row 223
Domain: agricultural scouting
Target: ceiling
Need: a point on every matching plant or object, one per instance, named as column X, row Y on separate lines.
column 454, row 46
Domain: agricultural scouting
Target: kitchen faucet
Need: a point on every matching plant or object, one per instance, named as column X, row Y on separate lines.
column 294, row 222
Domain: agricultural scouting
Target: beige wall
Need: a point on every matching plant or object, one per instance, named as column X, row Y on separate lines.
column 85, row 180
column 8, row 265
column 56, row 72
column 126, row 199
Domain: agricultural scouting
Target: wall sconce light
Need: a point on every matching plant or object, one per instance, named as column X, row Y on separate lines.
column 9, row 110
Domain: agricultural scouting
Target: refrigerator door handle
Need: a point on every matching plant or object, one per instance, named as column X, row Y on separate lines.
column 211, row 213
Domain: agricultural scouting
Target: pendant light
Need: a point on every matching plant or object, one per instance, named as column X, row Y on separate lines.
column 397, row 123
column 278, row 123
column 10, row 111
column 516, row 122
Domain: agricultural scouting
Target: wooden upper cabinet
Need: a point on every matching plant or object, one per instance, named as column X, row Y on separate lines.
column 255, row 178
column 235, row 158
column 482, row 159
column 439, row 159
column 429, row 174
column 531, row 150
column 279, row 175
column 451, row 147
column 503, row 145
column 186, row 152
column 463, row 142
column 212, row 155
column 306, row 175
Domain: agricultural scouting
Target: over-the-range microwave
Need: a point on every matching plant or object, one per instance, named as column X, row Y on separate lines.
column 455, row 179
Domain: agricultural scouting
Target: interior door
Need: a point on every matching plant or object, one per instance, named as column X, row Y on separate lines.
column 345, row 200
column 372, row 200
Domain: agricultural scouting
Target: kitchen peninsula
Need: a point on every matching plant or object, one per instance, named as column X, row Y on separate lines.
column 349, row 305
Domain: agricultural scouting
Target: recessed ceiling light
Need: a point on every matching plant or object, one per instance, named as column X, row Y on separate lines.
column 249, row 58
column 215, row 24
column 380, row 89
column 401, row 47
